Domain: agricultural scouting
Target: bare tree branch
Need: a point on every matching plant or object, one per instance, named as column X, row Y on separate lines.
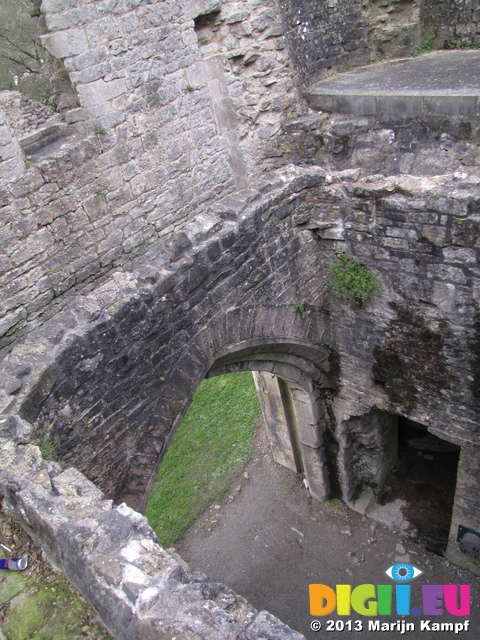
column 16, row 46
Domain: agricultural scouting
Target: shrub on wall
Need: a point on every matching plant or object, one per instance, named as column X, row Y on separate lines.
column 352, row 278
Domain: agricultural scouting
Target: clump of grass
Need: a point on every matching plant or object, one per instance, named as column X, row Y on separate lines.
column 299, row 308
column 44, row 444
column 101, row 193
column 352, row 278
column 211, row 444
column 425, row 48
column 99, row 130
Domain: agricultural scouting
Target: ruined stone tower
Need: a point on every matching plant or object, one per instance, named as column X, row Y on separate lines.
column 163, row 228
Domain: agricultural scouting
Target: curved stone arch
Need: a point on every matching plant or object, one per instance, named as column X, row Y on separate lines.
column 293, row 355
column 293, row 381
column 113, row 397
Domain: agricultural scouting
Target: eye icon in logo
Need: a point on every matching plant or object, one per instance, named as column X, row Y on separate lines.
column 403, row 572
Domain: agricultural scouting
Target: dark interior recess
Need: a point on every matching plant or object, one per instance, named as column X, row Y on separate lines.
column 425, row 477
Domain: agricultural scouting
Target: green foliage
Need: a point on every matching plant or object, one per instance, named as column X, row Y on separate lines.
column 44, row 444
column 352, row 278
column 299, row 308
column 49, row 102
column 379, row 58
column 464, row 45
column 190, row 88
column 99, row 130
column 100, row 193
column 212, row 443
column 425, row 48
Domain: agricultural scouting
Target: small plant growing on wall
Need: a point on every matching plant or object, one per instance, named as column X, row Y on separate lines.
column 352, row 278
column 44, row 444
column 99, row 130
column 299, row 308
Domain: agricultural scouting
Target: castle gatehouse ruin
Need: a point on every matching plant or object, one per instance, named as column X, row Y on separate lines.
column 178, row 218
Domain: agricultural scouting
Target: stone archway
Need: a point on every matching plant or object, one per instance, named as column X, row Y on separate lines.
column 294, row 386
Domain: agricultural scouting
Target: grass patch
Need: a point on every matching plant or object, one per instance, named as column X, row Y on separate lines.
column 425, row 48
column 211, row 444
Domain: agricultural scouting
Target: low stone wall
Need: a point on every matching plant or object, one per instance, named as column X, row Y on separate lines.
column 111, row 555
column 432, row 146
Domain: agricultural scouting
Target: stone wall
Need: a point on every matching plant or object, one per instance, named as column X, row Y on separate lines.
column 113, row 558
column 179, row 103
column 384, row 144
column 143, row 246
column 109, row 380
column 452, row 24
column 324, row 37
column 394, row 27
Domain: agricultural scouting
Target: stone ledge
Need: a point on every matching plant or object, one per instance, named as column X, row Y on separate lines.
column 442, row 84
column 396, row 106
column 112, row 556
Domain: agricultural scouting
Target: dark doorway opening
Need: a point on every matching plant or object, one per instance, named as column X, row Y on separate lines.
column 425, row 477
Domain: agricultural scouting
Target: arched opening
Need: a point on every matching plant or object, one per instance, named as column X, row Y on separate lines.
column 295, row 384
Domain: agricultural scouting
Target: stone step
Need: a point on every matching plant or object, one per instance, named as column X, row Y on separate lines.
column 437, row 85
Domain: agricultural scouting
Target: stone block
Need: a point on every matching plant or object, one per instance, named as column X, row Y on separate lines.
column 73, row 484
column 399, row 107
column 11, row 169
column 316, row 472
column 99, row 92
column 361, row 105
column 452, row 106
column 237, row 16
column 72, row 18
column 460, row 255
column 101, row 32
column 435, row 234
column 88, row 59
column 56, row 6
column 63, row 44
column 276, row 421
column 320, row 101
column 197, row 8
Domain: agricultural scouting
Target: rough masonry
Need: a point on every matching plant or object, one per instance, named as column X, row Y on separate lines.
column 170, row 226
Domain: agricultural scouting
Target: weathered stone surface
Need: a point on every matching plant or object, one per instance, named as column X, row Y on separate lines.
column 150, row 248
column 319, row 39
column 113, row 558
column 126, row 369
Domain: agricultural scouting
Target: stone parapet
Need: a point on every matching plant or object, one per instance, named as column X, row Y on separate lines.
column 112, row 556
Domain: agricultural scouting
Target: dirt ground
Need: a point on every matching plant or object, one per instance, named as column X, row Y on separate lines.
column 38, row 603
column 269, row 540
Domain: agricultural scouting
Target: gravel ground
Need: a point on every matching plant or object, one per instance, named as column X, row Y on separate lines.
column 269, row 540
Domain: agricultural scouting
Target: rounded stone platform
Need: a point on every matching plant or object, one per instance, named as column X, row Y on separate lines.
column 441, row 83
